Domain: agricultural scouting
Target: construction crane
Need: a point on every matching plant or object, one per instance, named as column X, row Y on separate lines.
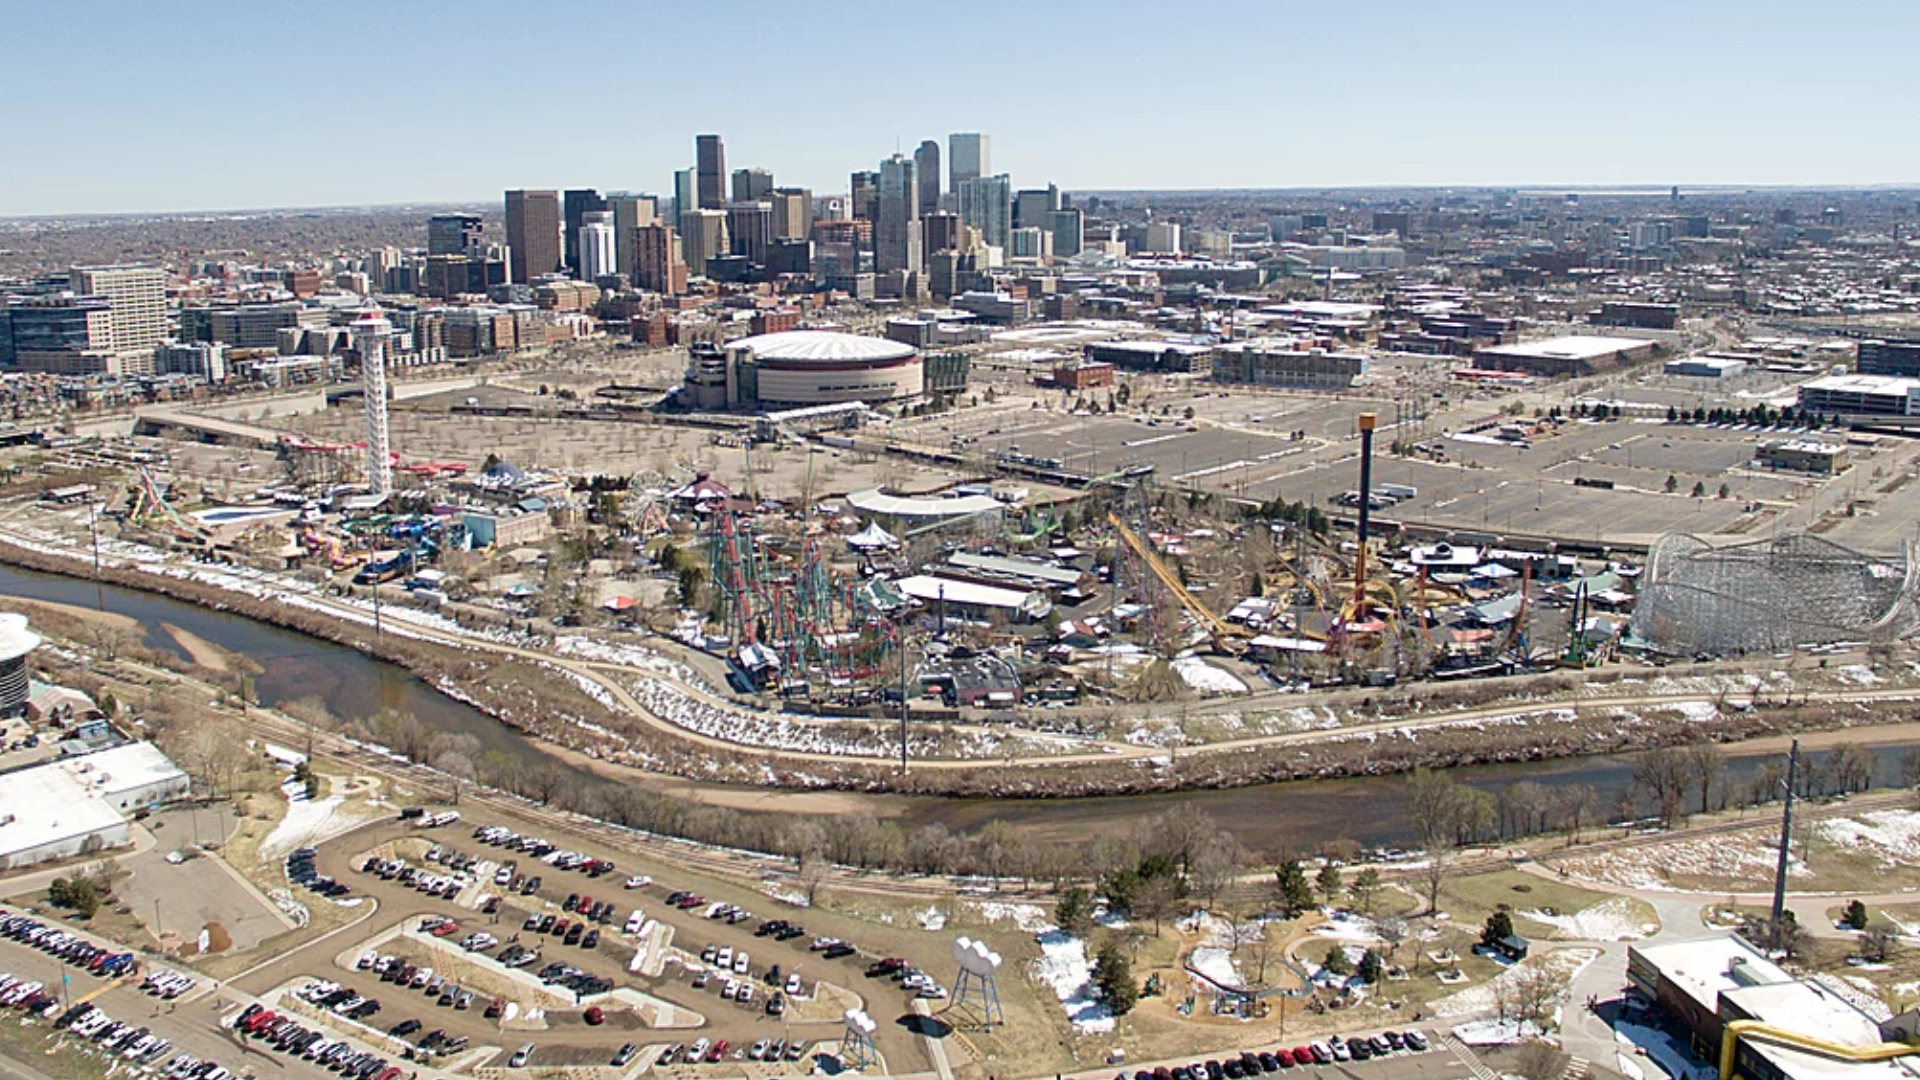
column 1228, row 637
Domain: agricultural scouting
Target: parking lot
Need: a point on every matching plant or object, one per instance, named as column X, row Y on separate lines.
column 661, row 991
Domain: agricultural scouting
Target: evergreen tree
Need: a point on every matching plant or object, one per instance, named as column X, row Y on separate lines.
column 1371, row 967
column 1113, row 974
column 1328, row 882
column 1499, row 925
column 1291, row 888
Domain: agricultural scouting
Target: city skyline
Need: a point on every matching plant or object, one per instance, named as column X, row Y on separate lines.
column 1632, row 95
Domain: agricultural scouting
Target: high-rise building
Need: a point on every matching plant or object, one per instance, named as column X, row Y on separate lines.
column 629, row 213
column 657, row 266
column 896, row 223
column 986, row 204
column 969, row 157
column 750, row 230
column 371, row 332
column 137, row 298
column 942, row 232
column 579, row 203
column 865, row 191
column 453, row 234
column 926, row 169
column 686, row 194
column 1033, row 208
column 533, row 233
column 792, row 213
column 710, row 163
column 752, row 185
column 596, row 245
column 703, row 237
column 1069, row 232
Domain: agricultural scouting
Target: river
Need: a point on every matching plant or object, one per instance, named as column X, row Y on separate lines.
column 1270, row 817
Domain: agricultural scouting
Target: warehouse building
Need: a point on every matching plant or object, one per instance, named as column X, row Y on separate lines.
column 1802, row 455
column 1294, row 369
column 16, row 649
column 1178, row 357
column 77, row 805
column 1575, row 354
column 1708, row 366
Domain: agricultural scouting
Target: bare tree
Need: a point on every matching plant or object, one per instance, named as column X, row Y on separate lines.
column 1664, row 774
column 1877, row 942
column 1852, row 766
column 1578, row 804
column 1707, row 764
column 1156, row 899
column 1537, row 1059
column 1216, row 862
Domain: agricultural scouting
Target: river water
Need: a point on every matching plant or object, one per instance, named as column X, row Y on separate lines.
column 1268, row 817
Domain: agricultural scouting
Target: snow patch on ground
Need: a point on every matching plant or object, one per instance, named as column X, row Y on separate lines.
column 1617, row 919
column 1495, row 1032
column 1207, row 679
column 1740, row 857
column 1559, row 965
column 308, row 822
column 1063, row 966
column 1347, row 926
column 1891, row 836
column 1857, row 675
column 1217, row 965
column 1028, row 917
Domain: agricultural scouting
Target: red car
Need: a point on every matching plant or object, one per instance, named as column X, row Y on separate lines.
column 1285, row 1057
column 1304, row 1055
column 719, row 1051
column 595, row 1017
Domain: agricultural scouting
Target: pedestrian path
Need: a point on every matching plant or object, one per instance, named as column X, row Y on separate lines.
column 1470, row 1060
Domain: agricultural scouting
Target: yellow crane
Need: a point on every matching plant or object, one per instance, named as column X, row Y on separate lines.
column 1227, row 636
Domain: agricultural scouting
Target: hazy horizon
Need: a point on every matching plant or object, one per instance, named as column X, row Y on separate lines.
column 222, row 108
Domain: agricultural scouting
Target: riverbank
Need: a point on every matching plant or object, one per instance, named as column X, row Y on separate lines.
column 578, row 721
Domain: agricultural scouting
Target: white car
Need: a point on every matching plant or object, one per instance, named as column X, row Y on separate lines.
column 636, row 920
column 793, row 984
column 639, row 881
column 724, row 958
column 739, row 962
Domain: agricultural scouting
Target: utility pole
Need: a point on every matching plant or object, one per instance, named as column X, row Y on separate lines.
column 93, row 530
column 1786, row 840
column 900, row 628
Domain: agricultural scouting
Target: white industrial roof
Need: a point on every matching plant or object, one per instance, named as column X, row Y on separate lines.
column 1864, row 384
column 124, row 768
column 1573, row 347
column 46, row 805
column 875, row 501
column 1702, row 969
column 822, row 346
column 15, row 639
column 929, row 588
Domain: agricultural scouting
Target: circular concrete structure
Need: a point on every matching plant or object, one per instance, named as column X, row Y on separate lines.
column 16, row 647
column 821, row 367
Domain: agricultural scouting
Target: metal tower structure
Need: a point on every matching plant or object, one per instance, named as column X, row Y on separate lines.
column 857, row 1050
column 370, row 333
column 976, row 994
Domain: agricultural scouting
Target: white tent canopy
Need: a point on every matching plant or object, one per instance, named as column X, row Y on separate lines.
column 873, row 536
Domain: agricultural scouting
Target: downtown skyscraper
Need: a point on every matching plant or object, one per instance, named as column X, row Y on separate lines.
column 896, row 226
column 533, row 233
column 926, row 167
column 710, row 168
column 969, row 157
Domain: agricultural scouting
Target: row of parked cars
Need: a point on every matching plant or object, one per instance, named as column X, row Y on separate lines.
column 300, row 870
column 715, row 1052
column 1260, row 1063
column 27, row 995
column 135, row 1044
column 71, row 948
column 340, row 1000
column 546, row 851
column 445, row 886
column 262, row 1026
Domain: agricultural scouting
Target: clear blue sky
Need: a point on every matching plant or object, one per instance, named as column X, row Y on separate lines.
column 123, row 105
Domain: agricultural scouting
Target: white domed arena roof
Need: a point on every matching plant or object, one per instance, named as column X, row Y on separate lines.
column 822, row 346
